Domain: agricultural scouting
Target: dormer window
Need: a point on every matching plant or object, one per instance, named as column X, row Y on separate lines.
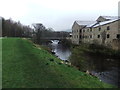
column 98, row 21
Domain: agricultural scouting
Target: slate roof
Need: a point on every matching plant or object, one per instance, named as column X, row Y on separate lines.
column 91, row 25
column 85, row 23
column 95, row 23
column 105, row 22
column 110, row 17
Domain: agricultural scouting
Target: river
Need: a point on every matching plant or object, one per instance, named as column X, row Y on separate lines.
column 61, row 51
column 106, row 70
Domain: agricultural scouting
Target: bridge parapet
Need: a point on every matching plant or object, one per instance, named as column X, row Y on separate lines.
column 53, row 38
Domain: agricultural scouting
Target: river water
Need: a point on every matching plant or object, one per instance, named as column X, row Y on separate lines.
column 61, row 51
column 106, row 70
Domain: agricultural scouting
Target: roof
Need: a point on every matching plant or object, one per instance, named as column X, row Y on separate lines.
column 92, row 24
column 85, row 23
column 105, row 22
column 110, row 17
column 95, row 23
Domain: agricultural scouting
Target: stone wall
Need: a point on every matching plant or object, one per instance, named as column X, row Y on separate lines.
column 116, row 44
column 76, row 33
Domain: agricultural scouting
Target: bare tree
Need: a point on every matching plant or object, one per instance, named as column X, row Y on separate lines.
column 39, row 28
column 11, row 28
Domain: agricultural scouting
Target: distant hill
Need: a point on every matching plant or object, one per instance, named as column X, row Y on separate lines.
column 68, row 30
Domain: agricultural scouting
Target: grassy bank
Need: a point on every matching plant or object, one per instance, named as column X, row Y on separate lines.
column 27, row 66
column 0, row 63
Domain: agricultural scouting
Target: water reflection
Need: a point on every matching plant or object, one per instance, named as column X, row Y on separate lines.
column 106, row 69
column 63, row 52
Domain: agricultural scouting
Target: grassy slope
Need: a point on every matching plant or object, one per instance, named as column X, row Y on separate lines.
column 0, row 63
column 24, row 66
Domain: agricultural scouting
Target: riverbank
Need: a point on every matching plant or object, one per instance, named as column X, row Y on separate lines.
column 98, row 60
column 27, row 66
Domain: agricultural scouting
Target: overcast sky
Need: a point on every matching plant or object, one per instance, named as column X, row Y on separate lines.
column 57, row 14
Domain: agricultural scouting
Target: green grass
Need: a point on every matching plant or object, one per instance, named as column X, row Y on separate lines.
column 0, row 63
column 25, row 66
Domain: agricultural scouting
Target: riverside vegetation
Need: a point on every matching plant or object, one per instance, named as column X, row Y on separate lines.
column 82, row 54
column 27, row 66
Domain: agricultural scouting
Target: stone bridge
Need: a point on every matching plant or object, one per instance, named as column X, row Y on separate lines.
column 53, row 38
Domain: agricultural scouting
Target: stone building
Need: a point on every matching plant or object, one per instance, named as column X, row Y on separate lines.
column 105, row 30
column 77, row 30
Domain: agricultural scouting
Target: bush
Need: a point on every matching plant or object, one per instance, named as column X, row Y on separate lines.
column 78, row 58
column 103, row 51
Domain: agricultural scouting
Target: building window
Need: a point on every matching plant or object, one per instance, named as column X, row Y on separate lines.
column 90, row 29
column 90, row 36
column 80, row 36
column 80, row 30
column 118, row 36
column 98, row 36
column 77, row 30
column 83, row 30
column 108, row 27
column 77, row 36
column 99, row 28
column 108, row 36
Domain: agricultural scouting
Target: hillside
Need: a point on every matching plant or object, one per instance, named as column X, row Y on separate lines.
column 26, row 66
